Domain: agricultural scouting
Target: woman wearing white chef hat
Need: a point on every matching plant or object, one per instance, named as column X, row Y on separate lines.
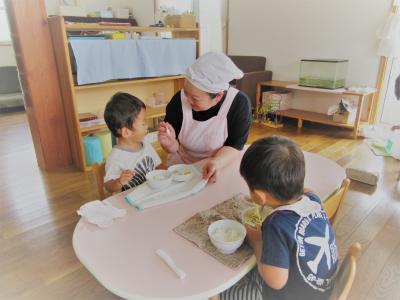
column 207, row 119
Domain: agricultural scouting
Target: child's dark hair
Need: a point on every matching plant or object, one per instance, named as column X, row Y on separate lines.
column 276, row 165
column 122, row 111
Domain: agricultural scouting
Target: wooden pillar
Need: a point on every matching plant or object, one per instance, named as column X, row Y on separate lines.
column 39, row 80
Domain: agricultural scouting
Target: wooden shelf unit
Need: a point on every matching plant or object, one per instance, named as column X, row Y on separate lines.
column 301, row 115
column 93, row 97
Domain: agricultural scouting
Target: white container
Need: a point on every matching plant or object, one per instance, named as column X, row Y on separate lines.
column 226, row 235
column 159, row 179
column 181, row 172
column 345, row 118
column 121, row 13
column 277, row 100
column 106, row 13
column 159, row 98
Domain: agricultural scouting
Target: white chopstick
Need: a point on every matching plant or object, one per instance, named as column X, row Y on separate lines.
column 168, row 260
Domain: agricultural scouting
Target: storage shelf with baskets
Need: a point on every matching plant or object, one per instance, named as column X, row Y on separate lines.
column 93, row 97
column 316, row 117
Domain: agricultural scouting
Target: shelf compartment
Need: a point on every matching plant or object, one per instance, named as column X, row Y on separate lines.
column 151, row 113
column 313, row 117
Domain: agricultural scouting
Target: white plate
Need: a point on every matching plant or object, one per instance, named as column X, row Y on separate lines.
column 181, row 172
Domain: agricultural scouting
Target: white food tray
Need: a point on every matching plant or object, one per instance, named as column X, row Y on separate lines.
column 144, row 196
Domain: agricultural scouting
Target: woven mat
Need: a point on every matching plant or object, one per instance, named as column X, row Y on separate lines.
column 195, row 229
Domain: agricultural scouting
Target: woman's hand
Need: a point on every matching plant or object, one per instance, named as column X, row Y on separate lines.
column 166, row 137
column 211, row 170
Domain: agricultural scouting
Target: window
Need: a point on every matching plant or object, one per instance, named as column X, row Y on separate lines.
column 4, row 30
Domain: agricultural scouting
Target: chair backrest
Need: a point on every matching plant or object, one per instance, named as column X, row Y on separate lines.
column 345, row 276
column 333, row 204
column 99, row 172
column 249, row 63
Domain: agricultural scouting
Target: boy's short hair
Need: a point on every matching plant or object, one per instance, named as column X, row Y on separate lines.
column 122, row 111
column 276, row 165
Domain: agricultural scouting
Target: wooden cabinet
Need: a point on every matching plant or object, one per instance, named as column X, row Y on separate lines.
column 93, row 97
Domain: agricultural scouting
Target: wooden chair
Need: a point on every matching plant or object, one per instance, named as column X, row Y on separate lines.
column 99, row 172
column 346, row 274
column 333, row 204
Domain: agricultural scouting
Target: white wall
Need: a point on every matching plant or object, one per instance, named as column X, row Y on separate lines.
column 286, row 31
column 211, row 19
column 180, row 5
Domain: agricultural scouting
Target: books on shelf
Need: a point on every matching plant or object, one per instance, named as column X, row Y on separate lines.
column 96, row 122
column 114, row 23
column 87, row 117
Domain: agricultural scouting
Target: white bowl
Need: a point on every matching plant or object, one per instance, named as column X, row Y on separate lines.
column 181, row 172
column 226, row 235
column 159, row 179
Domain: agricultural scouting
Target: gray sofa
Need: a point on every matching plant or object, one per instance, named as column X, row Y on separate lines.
column 11, row 98
column 254, row 71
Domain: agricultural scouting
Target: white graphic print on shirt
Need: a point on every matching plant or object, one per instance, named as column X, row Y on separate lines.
column 143, row 167
column 316, row 249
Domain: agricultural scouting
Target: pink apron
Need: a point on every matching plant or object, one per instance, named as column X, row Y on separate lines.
column 199, row 140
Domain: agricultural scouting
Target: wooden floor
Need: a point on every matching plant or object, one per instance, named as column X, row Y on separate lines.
column 37, row 217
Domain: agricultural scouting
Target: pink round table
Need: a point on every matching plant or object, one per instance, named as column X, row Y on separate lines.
column 123, row 259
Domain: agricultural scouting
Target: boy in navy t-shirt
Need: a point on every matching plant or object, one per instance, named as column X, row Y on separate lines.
column 295, row 248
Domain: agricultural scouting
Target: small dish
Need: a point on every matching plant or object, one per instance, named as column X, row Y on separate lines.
column 159, row 179
column 251, row 217
column 181, row 172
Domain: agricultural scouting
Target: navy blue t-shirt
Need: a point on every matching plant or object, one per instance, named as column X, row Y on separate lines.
column 304, row 245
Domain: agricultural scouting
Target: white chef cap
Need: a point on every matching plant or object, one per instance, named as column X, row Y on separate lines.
column 212, row 72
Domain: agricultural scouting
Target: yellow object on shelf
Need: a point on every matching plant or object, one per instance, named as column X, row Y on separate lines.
column 116, row 36
column 106, row 143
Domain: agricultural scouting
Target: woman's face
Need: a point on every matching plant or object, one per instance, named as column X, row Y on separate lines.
column 198, row 99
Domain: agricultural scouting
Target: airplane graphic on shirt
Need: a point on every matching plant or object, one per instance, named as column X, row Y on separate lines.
column 323, row 244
